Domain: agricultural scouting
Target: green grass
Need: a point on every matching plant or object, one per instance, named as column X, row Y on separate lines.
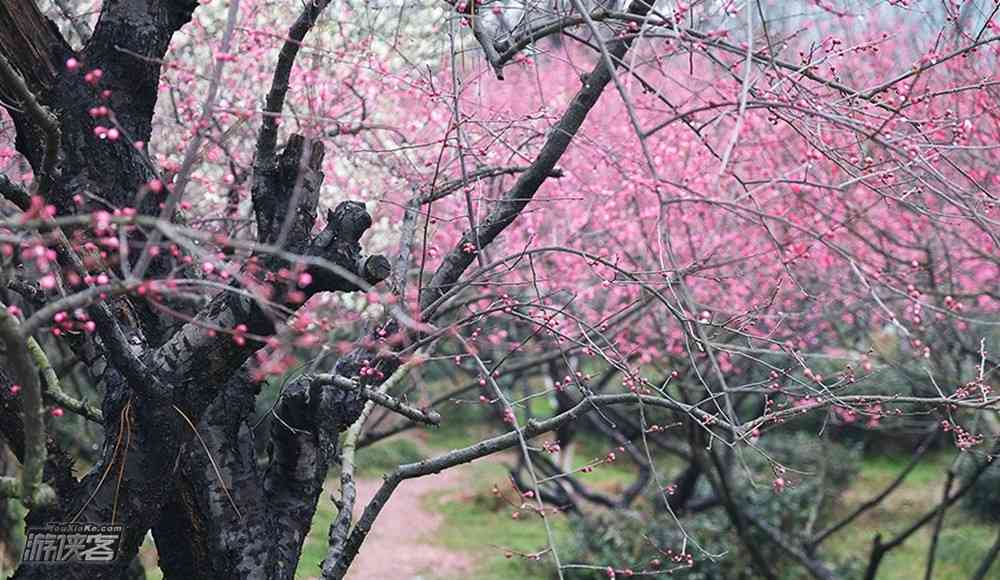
column 961, row 547
column 476, row 526
column 881, row 470
column 454, row 434
column 963, row 541
column 479, row 524
column 615, row 476
column 385, row 456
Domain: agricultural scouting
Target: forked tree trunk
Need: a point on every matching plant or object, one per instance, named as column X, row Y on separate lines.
column 153, row 473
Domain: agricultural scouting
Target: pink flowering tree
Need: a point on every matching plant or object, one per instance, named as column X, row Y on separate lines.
column 688, row 226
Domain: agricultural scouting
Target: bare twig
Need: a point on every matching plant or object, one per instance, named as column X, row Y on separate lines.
column 267, row 138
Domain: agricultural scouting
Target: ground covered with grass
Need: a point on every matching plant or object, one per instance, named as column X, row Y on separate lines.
column 479, row 525
column 469, row 531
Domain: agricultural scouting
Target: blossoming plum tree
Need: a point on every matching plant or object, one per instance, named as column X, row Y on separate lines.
column 695, row 221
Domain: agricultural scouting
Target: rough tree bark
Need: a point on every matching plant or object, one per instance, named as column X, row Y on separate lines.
column 159, row 378
column 179, row 451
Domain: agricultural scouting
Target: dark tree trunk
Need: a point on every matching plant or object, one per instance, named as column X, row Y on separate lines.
column 214, row 512
column 179, row 453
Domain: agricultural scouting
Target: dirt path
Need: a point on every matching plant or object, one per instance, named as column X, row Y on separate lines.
column 397, row 547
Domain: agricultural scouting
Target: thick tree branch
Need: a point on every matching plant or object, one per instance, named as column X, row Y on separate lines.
column 175, row 384
column 129, row 42
column 31, row 43
column 14, row 193
column 26, row 375
column 382, row 399
column 25, row 98
column 200, row 535
column 267, row 138
column 311, row 415
column 285, row 216
column 517, row 198
column 204, row 351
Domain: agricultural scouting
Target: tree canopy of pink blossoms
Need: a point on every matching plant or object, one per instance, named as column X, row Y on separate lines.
column 725, row 215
